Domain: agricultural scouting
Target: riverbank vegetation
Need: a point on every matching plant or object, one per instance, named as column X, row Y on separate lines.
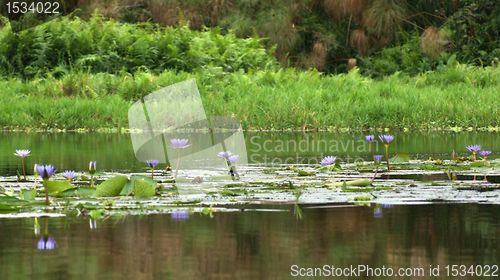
column 456, row 96
column 70, row 73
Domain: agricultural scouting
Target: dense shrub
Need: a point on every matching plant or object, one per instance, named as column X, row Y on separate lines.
column 68, row 43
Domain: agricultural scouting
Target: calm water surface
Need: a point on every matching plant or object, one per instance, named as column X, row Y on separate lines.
column 251, row 244
column 254, row 244
column 114, row 151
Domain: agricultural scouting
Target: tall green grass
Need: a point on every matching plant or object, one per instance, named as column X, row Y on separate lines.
column 458, row 96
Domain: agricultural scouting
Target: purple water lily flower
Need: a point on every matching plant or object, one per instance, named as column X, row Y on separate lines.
column 474, row 148
column 370, row 138
column 233, row 158
column 22, row 153
column 180, row 143
column 377, row 158
column 46, row 243
column 46, row 171
column 378, row 213
column 485, row 153
column 224, row 154
column 69, row 175
column 386, row 139
column 180, row 215
column 152, row 162
column 328, row 160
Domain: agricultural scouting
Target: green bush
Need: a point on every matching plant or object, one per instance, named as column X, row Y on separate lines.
column 67, row 44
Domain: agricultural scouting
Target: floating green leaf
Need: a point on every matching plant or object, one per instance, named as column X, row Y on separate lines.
column 360, row 182
column 27, row 194
column 479, row 164
column 10, row 200
column 58, row 186
column 143, row 188
column 304, row 173
column 7, row 208
column 400, row 158
column 112, row 186
column 81, row 191
column 129, row 186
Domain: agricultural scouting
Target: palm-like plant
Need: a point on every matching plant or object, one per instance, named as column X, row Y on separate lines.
column 384, row 17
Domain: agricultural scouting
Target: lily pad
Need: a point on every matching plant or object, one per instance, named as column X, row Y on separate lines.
column 10, row 201
column 27, row 194
column 112, row 186
column 58, row 186
column 479, row 164
column 304, row 173
column 81, row 191
column 400, row 158
column 361, row 182
column 7, row 208
column 129, row 186
column 143, row 188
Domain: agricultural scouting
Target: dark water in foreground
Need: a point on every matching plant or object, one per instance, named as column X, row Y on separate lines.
column 257, row 244
column 114, row 151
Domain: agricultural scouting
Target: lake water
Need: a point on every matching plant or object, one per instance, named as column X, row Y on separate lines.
column 115, row 152
column 260, row 241
column 263, row 242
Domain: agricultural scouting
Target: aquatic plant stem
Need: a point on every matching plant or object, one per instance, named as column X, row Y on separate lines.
column 152, row 174
column 92, row 180
column 46, row 192
column 178, row 162
column 24, row 173
column 374, row 175
column 371, row 147
column 387, row 156
column 474, row 153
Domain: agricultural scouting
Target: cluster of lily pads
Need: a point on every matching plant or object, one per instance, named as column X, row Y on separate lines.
column 348, row 178
column 112, row 186
column 118, row 185
column 386, row 140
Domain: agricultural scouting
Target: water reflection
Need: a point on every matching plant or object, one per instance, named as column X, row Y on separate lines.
column 114, row 151
column 254, row 244
column 180, row 215
column 46, row 242
column 93, row 224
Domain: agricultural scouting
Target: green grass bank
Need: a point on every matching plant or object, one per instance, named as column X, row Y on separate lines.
column 458, row 96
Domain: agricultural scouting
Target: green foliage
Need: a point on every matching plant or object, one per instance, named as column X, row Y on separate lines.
column 58, row 186
column 112, row 186
column 27, row 194
column 400, row 158
column 79, row 191
column 475, row 31
column 143, row 188
column 130, row 186
column 99, row 45
column 454, row 95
